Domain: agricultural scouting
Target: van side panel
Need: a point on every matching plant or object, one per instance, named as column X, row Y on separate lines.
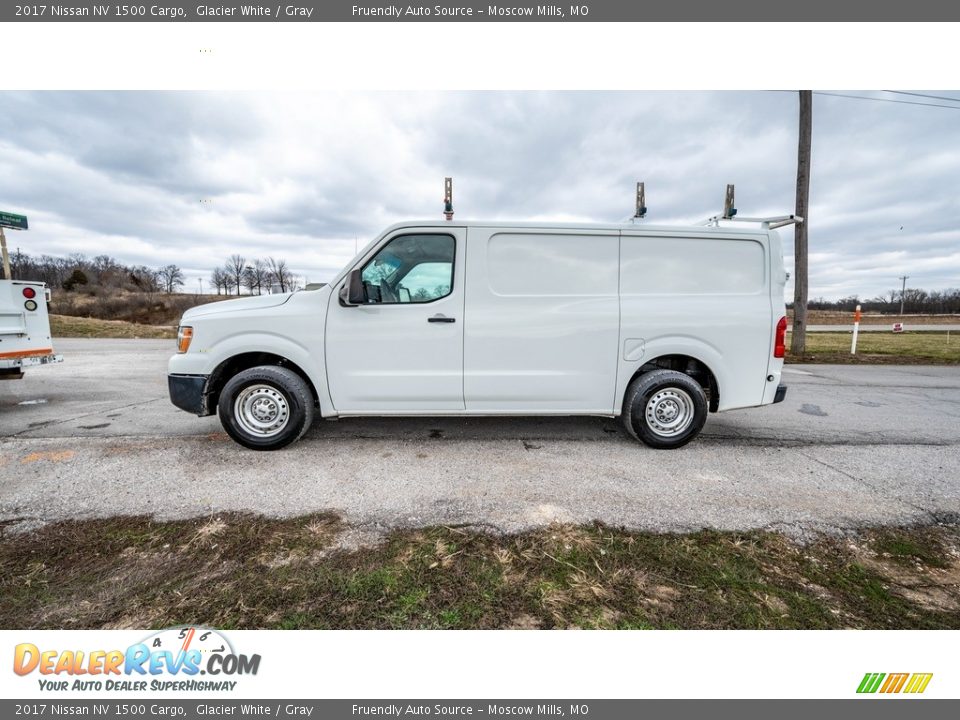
column 700, row 295
column 541, row 321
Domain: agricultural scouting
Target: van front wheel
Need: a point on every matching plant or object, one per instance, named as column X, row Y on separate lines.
column 664, row 409
column 266, row 407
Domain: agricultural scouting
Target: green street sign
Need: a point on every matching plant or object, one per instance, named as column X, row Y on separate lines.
column 12, row 220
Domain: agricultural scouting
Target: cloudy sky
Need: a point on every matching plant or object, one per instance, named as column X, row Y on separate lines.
column 153, row 177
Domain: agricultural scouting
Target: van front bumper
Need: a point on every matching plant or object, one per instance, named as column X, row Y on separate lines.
column 781, row 393
column 188, row 392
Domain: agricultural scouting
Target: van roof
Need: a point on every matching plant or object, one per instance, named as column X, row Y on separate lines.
column 667, row 230
column 544, row 225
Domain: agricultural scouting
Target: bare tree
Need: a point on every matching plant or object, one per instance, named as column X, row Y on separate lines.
column 105, row 268
column 280, row 274
column 229, row 283
column 235, row 267
column 219, row 280
column 140, row 277
column 261, row 274
column 256, row 276
column 19, row 265
column 172, row 277
column 798, row 343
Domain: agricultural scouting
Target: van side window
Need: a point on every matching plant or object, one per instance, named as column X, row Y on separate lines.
column 411, row 269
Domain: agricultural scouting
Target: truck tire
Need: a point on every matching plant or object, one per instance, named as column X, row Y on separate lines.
column 266, row 407
column 664, row 409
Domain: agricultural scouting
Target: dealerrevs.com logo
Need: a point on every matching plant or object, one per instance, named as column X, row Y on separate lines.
column 172, row 659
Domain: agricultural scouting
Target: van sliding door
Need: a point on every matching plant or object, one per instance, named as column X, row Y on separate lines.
column 542, row 320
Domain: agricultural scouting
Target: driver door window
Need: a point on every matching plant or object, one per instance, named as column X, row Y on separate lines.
column 411, row 269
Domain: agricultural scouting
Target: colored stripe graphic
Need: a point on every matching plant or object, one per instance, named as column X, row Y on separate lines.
column 894, row 683
column 870, row 682
column 918, row 683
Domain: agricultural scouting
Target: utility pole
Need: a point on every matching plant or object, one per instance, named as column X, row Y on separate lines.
column 903, row 291
column 6, row 258
column 798, row 342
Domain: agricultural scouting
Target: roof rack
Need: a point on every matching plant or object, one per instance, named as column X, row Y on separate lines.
column 770, row 223
column 641, row 207
column 730, row 212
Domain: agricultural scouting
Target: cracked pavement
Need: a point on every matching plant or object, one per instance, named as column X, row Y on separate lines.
column 850, row 447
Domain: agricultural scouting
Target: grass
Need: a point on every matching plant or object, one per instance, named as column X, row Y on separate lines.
column 241, row 571
column 910, row 348
column 67, row 326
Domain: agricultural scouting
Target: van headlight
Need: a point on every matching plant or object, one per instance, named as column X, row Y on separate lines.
column 184, row 336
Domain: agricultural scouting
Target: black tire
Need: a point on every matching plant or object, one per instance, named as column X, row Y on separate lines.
column 276, row 392
column 680, row 393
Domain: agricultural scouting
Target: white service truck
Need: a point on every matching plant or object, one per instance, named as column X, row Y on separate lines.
column 656, row 325
column 24, row 328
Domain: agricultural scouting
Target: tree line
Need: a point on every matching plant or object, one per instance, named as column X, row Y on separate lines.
column 77, row 272
column 915, row 302
column 256, row 276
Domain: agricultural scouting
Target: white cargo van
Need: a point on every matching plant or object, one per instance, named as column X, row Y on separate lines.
column 24, row 328
column 656, row 325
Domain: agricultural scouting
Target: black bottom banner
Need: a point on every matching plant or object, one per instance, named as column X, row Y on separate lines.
column 868, row 708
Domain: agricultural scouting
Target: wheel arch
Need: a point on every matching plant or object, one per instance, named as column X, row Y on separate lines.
column 686, row 364
column 244, row 361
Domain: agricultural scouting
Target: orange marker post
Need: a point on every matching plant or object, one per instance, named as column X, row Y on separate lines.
column 856, row 330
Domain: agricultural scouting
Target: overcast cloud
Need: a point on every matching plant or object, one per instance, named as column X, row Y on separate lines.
column 153, row 178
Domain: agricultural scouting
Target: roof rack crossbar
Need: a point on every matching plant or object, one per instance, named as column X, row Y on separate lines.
column 770, row 223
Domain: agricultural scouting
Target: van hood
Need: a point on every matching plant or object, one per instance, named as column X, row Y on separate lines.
column 257, row 302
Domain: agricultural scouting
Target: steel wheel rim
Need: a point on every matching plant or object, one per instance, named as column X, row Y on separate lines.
column 261, row 410
column 669, row 412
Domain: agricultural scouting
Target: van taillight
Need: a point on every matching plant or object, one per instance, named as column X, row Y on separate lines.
column 29, row 293
column 779, row 344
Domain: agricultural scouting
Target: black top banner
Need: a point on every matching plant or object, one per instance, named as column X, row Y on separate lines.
column 483, row 11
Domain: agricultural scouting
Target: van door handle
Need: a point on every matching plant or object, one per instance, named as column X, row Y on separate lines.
column 441, row 318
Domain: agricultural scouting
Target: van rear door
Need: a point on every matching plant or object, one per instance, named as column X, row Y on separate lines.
column 542, row 320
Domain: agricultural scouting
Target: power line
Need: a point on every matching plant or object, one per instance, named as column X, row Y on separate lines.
column 889, row 100
column 932, row 97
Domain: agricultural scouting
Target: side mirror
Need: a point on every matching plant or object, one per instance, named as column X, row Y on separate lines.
column 354, row 292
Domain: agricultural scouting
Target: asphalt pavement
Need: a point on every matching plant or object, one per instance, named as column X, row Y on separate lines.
column 851, row 446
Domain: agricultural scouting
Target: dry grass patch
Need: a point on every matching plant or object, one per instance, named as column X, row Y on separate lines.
column 880, row 348
column 244, row 571
column 64, row 326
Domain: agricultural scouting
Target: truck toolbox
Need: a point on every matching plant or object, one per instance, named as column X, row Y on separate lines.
column 25, row 340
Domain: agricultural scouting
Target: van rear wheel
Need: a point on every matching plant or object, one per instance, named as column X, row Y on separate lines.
column 266, row 407
column 664, row 409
